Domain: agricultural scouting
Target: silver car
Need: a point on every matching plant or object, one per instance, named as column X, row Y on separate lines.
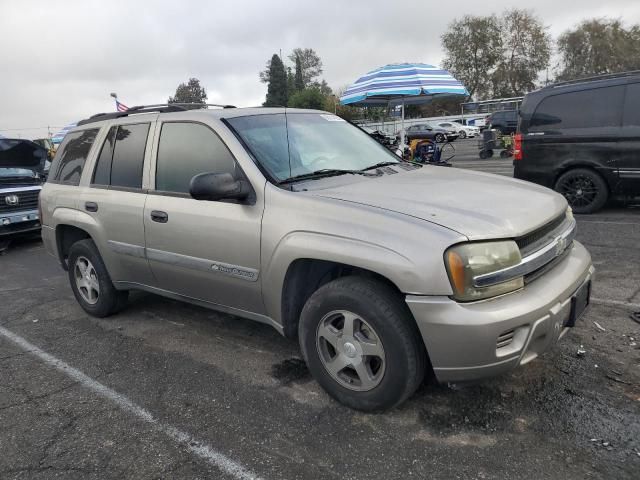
column 383, row 270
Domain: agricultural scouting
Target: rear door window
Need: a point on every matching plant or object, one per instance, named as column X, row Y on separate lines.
column 72, row 155
column 585, row 109
column 121, row 159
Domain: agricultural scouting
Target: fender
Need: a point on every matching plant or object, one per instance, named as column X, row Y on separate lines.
column 319, row 246
column 82, row 220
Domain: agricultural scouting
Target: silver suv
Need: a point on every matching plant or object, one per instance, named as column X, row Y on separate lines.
column 383, row 269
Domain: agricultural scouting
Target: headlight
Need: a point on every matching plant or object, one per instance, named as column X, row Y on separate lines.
column 466, row 261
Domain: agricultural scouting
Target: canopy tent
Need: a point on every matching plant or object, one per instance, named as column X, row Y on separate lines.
column 400, row 84
column 59, row 136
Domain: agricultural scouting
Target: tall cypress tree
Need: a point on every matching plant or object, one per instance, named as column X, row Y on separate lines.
column 299, row 80
column 277, row 88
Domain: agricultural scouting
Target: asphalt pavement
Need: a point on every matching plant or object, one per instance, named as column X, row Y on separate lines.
column 168, row 390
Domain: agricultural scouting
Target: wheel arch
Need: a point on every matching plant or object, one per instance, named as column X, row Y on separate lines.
column 70, row 227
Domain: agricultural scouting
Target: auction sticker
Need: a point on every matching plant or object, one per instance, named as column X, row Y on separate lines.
column 332, row 118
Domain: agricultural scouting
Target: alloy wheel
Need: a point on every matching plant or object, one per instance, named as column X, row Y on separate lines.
column 86, row 280
column 579, row 190
column 350, row 350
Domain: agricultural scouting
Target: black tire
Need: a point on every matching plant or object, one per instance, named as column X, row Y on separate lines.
column 439, row 138
column 109, row 300
column 483, row 154
column 585, row 190
column 489, row 153
column 405, row 358
column 463, row 134
column 505, row 153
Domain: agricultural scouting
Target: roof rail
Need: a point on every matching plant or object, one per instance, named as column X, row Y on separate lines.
column 593, row 78
column 156, row 108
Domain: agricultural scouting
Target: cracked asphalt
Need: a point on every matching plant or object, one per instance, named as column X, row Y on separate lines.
column 240, row 388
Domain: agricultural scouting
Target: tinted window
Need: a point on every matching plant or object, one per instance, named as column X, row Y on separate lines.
column 128, row 155
column 632, row 106
column 598, row 107
column 69, row 162
column 102, row 173
column 185, row 150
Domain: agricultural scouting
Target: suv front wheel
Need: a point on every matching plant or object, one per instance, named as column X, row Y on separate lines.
column 91, row 283
column 584, row 189
column 361, row 345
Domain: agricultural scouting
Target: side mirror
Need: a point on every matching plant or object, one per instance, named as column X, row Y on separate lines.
column 218, row 186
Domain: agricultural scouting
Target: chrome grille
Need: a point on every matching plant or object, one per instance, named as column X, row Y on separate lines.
column 532, row 241
column 27, row 200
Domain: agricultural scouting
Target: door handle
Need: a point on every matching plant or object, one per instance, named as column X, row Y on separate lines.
column 158, row 216
column 91, row 206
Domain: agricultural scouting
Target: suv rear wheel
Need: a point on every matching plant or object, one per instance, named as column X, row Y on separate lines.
column 361, row 345
column 91, row 283
column 584, row 189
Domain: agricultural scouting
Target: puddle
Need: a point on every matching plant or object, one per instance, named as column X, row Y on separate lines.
column 291, row 370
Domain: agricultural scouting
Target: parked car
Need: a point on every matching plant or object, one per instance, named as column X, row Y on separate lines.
column 298, row 219
column 428, row 131
column 582, row 138
column 382, row 137
column 463, row 131
column 22, row 170
column 506, row 121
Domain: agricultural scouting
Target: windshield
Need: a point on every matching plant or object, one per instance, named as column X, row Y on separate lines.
column 294, row 144
column 17, row 173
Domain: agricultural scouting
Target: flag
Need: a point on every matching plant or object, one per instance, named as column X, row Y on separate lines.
column 121, row 107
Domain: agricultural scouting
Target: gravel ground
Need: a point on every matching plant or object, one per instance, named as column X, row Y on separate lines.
column 167, row 390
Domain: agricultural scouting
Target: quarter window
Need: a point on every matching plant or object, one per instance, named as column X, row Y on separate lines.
column 68, row 164
column 596, row 107
column 186, row 150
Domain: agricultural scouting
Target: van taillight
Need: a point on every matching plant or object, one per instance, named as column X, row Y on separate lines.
column 517, row 146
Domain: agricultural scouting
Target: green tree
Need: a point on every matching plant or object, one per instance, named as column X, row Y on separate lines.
column 299, row 80
column 526, row 50
column 308, row 98
column 277, row 87
column 473, row 47
column 310, row 64
column 190, row 92
column 598, row 46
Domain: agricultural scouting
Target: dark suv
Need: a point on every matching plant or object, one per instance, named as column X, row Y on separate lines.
column 582, row 138
column 505, row 121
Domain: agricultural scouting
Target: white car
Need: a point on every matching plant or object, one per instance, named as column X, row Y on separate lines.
column 465, row 131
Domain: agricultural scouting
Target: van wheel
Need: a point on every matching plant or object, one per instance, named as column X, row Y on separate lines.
column 91, row 283
column 584, row 189
column 361, row 344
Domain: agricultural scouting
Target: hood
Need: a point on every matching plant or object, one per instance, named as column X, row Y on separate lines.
column 477, row 205
column 18, row 153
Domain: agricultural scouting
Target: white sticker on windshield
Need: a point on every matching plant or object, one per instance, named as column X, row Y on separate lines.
column 332, row 118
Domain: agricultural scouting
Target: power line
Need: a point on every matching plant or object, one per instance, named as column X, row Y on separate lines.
column 27, row 128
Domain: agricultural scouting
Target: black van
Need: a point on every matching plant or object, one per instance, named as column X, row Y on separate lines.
column 582, row 138
column 505, row 121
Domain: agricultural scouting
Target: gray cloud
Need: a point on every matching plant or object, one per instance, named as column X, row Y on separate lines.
column 60, row 60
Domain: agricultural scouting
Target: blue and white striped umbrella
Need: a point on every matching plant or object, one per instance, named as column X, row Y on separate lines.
column 59, row 136
column 401, row 83
column 395, row 82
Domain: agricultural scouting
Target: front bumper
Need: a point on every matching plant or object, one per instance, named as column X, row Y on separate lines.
column 462, row 338
column 17, row 223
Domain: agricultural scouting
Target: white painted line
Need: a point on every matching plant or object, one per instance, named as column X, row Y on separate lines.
column 196, row 447
column 615, row 302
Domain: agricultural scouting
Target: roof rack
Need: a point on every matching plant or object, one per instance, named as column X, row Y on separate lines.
column 157, row 108
column 604, row 76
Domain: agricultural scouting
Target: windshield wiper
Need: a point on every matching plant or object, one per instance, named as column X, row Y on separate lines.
column 325, row 172
column 379, row 165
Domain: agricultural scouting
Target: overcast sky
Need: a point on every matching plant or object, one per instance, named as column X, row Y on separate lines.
column 60, row 60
